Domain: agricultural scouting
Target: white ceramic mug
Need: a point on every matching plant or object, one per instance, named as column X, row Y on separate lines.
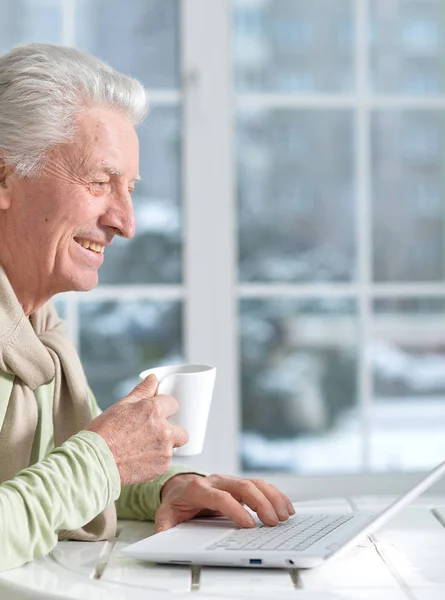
column 192, row 386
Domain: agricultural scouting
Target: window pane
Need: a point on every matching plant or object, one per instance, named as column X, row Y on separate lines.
column 25, row 21
column 293, row 45
column 407, row 52
column 408, row 358
column 295, row 189
column 408, row 154
column 118, row 340
column 299, row 389
column 141, row 40
column 154, row 254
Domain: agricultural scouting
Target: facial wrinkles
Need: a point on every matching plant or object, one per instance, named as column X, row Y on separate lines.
column 64, row 168
column 61, row 204
column 73, row 187
column 43, row 206
column 42, row 210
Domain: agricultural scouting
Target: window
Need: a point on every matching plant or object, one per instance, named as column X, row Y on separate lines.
column 290, row 222
column 348, row 195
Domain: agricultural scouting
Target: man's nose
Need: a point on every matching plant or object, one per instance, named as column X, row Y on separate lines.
column 120, row 215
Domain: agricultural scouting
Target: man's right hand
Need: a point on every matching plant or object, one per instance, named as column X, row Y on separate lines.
column 138, row 433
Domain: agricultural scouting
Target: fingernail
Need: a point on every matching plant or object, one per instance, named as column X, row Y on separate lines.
column 150, row 378
column 282, row 515
column 250, row 520
column 271, row 514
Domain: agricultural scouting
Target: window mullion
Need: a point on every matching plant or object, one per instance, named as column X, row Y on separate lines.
column 364, row 226
column 209, row 253
column 69, row 22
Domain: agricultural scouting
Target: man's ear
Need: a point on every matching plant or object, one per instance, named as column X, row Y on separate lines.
column 5, row 184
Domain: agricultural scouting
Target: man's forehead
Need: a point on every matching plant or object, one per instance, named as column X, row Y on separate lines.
column 107, row 142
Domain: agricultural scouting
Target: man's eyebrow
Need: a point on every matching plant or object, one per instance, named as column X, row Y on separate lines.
column 114, row 171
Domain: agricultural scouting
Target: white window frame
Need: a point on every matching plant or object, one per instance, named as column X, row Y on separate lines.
column 211, row 291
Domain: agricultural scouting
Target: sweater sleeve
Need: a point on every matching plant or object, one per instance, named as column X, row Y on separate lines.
column 140, row 501
column 65, row 490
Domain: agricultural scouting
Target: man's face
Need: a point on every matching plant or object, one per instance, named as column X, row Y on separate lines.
column 58, row 223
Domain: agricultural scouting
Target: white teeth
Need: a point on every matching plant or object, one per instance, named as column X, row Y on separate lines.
column 92, row 246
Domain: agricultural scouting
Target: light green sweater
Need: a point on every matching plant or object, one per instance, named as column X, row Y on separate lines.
column 65, row 487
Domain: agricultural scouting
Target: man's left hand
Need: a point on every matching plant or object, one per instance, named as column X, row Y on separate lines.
column 188, row 495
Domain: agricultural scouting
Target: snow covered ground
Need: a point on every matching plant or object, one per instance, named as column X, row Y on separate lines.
column 405, row 434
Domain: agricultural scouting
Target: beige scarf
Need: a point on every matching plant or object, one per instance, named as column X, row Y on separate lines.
column 36, row 350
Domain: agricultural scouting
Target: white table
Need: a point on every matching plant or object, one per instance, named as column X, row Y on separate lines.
column 404, row 560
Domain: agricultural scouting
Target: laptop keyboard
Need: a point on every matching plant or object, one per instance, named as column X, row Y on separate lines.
column 298, row 533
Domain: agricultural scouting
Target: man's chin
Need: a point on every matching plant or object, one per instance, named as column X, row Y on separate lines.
column 87, row 286
column 83, row 283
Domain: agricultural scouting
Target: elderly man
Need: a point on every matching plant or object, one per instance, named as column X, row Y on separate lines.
column 68, row 164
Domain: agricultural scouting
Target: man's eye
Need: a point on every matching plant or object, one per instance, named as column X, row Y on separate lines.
column 97, row 187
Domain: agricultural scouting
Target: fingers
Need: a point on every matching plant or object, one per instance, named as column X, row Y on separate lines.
column 270, row 504
column 248, row 493
column 281, row 503
column 179, row 435
column 224, row 502
column 287, row 501
column 145, row 389
column 165, row 519
column 168, row 405
column 223, row 495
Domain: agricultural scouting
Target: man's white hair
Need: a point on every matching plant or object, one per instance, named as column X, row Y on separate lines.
column 44, row 87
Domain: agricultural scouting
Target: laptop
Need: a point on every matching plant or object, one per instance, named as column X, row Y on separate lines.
column 303, row 541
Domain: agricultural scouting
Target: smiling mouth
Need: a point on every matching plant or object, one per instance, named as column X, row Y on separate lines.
column 93, row 246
